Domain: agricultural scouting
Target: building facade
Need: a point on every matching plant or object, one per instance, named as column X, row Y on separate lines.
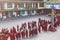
column 13, row 8
column 55, row 3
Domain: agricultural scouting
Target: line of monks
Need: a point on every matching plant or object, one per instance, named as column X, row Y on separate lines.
column 28, row 29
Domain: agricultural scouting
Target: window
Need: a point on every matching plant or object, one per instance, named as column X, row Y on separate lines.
column 30, row 5
column 9, row 5
column 48, row 6
column 57, row 6
column 41, row 4
column 21, row 5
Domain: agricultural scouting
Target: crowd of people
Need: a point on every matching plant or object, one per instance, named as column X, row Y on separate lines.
column 28, row 29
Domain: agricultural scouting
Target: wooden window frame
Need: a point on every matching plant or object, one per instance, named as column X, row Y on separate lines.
column 40, row 5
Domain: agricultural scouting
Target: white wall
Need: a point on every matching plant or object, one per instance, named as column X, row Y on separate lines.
column 33, row 13
column 0, row 15
column 4, row 17
column 25, row 13
column 14, row 13
column 32, row 5
column 24, row 4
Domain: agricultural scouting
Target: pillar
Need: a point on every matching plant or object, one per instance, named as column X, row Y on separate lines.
column 16, row 9
column 52, row 16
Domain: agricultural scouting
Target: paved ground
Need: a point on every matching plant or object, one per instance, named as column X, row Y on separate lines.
column 8, row 23
column 41, row 36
